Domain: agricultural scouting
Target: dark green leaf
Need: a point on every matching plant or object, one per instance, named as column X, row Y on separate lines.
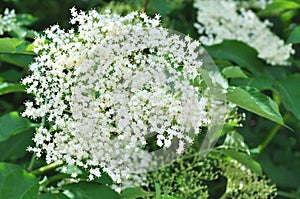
column 294, row 37
column 133, row 193
column 90, row 190
column 261, row 83
column 288, row 90
column 245, row 56
column 17, row 59
column 15, row 147
column 11, row 75
column 17, row 183
column 162, row 7
column 252, row 100
column 244, row 159
column 234, row 72
column 52, row 196
column 11, row 88
column 12, row 124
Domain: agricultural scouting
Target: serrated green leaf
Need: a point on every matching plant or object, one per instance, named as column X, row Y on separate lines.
column 11, row 88
column 294, row 37
column 234, row 72
column 133, row 192
column 12, row 124
column 254, row 101
column 90, row 190
column 12, row 175
column 288, row 90
column 244, row 159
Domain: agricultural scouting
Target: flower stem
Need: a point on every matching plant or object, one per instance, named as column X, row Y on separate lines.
column 46, row 168
column 271, row 135
column 30, row 166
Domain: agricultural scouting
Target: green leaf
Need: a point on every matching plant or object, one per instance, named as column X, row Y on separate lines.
column 279, row 6
column 162, row 7
column 11, row 75
column 294, row 37
column 90, row 190
column 261, row 83
column 245, row 56
column 234, row 72
column 12, row 124
column 11, row 88
column 157, row 191
column 252, row 100
column 288, row 90
column 20, row 60
column 52, row 196
column 244, row 159
column 15, row 147
column 132, row 192
column 17, row 183
column 234, row 140
column 14, row 45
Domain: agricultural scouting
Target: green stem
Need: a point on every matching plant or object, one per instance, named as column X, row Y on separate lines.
column 285, row 194
column 57, row 177
column 46, row 168
column 271, row 135
column 32, row 160
column 33, row 157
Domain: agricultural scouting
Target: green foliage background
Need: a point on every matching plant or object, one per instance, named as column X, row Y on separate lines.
column 269, row 95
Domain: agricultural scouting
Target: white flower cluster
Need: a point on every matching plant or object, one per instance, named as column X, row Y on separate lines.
column 259, row 4
column 6, row 20
column 107, row 86
column 222, row 19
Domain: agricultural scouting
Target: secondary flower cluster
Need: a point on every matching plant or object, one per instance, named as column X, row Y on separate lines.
column 6, row 20
column 258, row 4
column 110, row 84
column 224, row 19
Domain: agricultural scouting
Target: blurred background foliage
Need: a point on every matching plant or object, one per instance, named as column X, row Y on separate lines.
column 275, row 147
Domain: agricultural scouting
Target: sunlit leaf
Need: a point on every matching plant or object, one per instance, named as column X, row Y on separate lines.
column 132, row 192
column 10, row 88
column 254, row 101
column 12, row 124
column 233, row 72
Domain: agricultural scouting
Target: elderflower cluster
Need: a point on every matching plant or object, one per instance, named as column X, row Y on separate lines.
column 107, row 85
column 6, row 20
column 223, row 19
